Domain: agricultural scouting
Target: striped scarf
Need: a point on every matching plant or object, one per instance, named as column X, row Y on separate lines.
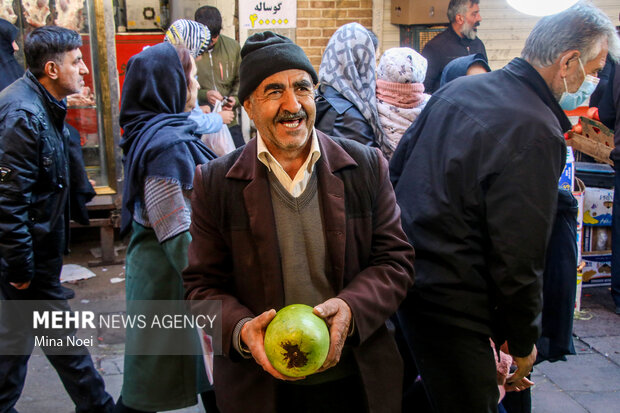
column 193, row 35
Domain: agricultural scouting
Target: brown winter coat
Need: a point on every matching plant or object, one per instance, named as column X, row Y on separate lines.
column 234, row 257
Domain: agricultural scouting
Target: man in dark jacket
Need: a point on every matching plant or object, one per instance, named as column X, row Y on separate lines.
column 298, row 217
column 476, row 177
column 34, row 193
column 459, row 39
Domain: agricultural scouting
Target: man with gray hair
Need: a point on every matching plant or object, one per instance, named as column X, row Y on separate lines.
column 477, row 180
column 459, row 39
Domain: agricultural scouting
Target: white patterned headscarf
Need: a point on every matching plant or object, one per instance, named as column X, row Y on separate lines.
column 191, row 34
column 348, row 66
column 402, row 65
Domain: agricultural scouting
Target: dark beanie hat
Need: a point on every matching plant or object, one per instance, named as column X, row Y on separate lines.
column 265, row 54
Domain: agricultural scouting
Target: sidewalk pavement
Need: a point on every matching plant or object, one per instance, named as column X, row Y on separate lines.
column 590, row 380
column 587, row 382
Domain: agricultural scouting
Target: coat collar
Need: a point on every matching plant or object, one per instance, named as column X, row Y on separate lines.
column 525, row 72
column 245, row 167
column 57, row 109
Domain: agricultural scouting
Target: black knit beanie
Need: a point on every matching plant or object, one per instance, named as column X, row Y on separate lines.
column 265, row 54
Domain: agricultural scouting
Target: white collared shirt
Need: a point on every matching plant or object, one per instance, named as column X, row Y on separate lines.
column 297, row 185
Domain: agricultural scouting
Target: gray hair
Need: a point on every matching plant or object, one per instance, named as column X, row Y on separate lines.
column 581, row 27
column 459, row 7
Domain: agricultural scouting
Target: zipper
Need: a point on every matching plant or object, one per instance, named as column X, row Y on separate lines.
column 212, row 71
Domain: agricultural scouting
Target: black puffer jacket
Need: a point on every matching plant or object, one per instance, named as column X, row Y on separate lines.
column 33, row 181
column 336, row 116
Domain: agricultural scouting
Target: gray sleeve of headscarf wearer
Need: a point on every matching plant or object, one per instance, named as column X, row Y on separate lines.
column 167, row 208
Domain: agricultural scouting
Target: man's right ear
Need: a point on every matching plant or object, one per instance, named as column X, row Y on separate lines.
column 247, row 105
column 51, row 69
column 565, row 59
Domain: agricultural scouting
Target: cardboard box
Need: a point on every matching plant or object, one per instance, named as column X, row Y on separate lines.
column 419, row 12
column 597, row 206
column 597, row 239
column 595, row 139
column 597, row 270
column 567, row 179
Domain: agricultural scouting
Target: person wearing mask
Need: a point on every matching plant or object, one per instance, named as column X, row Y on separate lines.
column 11, row 70
column 459, row 39
column 218, row 72
column 161, row 150
column 478, row 191
column 400, row 93
column 298, row 217
column 346, row 101
column 35, row 184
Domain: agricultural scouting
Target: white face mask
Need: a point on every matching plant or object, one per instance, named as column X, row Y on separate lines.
column 571, row 101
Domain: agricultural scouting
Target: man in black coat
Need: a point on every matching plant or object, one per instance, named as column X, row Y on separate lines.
column 34, row 197
column 476, row 177
column 459, row 39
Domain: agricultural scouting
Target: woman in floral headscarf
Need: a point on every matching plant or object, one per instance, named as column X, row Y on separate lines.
column 400, row 93
column 346, row 105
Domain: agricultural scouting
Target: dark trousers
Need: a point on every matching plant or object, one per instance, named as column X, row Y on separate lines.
column 340, row 396
column 208, row 401
column 76, row 371
column 559, row 286
column 457, row 366
column 518, row 402
column 615, row 241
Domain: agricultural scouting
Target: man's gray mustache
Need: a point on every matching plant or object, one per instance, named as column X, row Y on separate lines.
column 291, row 116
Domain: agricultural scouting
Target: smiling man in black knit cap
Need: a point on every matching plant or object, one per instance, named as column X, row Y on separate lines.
column 297, row 217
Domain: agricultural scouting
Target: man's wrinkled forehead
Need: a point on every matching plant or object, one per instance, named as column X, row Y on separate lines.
column 281, row 80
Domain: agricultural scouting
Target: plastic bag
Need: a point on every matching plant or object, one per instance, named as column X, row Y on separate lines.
column 220, row 142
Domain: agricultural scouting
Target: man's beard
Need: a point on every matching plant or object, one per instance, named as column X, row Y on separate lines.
column 469, row 31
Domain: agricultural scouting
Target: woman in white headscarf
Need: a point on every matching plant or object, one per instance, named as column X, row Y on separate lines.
column 400, row 93
column 346, row 105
